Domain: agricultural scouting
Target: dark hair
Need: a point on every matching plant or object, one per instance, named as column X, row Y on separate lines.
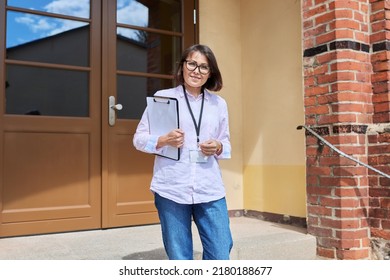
column 214, row 82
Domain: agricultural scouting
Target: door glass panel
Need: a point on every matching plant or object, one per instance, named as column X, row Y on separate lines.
column 46, row 39
column 79, row 8
column 160, row 14
column 49, row 92
column 132, row 93
column 147, row 52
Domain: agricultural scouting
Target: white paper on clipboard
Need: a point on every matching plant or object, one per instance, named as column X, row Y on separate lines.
column 163, row 114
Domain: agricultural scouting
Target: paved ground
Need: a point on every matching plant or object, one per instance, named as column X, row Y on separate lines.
column 253, row 240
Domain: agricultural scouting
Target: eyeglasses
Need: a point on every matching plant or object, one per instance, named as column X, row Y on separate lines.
column 192, row 65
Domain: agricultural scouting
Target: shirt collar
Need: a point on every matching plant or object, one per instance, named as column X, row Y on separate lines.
column 181, row 93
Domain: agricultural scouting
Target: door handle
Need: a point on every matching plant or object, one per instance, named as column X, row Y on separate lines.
column 112, row 108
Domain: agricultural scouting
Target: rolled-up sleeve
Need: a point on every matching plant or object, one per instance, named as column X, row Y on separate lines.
column 224, row 134
column 143, row 140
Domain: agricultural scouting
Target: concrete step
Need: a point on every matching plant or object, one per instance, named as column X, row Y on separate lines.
column 261, row 240
column 276, row 246
column 253, row 240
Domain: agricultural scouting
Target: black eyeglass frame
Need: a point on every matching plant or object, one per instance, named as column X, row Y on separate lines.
column 197, row 66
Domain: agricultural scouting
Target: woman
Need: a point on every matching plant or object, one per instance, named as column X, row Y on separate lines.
column 192, row 187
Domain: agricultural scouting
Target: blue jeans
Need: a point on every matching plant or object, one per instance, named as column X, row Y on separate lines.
column 211, row 219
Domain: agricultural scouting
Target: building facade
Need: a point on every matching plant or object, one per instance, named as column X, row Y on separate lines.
column 319, row 63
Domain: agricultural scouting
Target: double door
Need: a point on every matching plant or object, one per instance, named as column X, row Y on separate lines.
column 76, row 78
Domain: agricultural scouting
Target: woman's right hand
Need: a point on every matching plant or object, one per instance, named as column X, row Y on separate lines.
column 174, row 138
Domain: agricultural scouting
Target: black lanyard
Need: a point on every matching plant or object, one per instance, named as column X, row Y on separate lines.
column 197, row 125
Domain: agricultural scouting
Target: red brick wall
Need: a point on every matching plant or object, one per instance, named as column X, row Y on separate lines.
column 379, row 138
column 339, row 106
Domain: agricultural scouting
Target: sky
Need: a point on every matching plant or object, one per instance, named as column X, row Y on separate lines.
column 24, row 27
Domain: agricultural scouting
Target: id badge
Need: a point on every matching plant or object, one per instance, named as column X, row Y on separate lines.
column 197, row 156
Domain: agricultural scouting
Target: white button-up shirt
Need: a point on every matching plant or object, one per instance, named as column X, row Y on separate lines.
column 184, row 181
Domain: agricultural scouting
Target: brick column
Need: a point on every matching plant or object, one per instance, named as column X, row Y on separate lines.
column 338, row 105
column 379, row 134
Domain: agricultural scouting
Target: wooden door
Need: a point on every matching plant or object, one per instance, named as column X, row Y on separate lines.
column 50, row 118
column 142, row 49
column 63, row 165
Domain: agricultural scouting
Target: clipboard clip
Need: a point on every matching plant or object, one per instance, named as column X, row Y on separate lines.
column 162, row 100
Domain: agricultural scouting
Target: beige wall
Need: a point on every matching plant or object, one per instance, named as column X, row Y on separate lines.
column 220, row 30
column 258, row 46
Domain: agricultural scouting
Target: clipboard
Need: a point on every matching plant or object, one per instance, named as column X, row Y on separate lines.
column 163, row 115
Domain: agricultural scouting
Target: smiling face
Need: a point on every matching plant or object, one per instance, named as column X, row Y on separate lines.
column 194, row 80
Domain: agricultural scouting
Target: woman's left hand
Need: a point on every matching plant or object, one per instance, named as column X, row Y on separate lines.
column 210, row 147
